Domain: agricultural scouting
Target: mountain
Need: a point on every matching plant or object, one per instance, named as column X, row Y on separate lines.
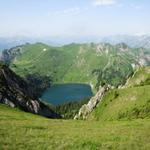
column 9, row 42
column 82, row 63
column 134, row 41
column 15, row 92
column 131, row 40
column 131, row 101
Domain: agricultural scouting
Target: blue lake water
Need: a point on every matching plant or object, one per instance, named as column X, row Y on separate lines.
column 61, row 93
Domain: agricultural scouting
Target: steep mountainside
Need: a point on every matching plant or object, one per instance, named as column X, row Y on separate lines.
column 129, row 102
column 15, row 92
column 131, row 40
column 86, row 63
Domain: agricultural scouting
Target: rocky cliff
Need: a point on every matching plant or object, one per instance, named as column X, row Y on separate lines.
column 9, row 54
column 86, row 109
column 15, row 92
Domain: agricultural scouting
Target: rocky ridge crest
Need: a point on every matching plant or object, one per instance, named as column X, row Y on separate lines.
column 86, row 109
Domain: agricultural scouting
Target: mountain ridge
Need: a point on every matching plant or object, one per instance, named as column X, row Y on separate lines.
column 84, row 63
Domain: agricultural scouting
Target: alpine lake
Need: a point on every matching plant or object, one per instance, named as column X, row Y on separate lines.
column 63, row 93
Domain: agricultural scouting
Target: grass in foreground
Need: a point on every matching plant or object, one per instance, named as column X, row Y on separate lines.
column 20, row 130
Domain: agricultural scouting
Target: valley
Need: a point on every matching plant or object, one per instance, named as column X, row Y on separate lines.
column 93, row 64
column 88, row 63
column 118, row 120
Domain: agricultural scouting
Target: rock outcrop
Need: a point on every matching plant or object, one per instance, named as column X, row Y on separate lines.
column 86, row 109
column 15, row 92
column 9, row 54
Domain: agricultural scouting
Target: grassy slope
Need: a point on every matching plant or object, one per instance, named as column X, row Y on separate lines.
column 141, row 77
column 75, row 62
column 20, row 130
column 133, row 101
column 60, row 63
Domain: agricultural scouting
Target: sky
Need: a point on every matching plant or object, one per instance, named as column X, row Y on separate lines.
column 74, row 18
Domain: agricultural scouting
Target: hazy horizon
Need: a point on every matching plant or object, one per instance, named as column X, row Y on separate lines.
column 74, row 18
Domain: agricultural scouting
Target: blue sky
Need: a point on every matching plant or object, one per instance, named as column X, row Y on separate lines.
column 74, row 18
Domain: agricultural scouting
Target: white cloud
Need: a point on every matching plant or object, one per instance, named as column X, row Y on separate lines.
column 66, row 12
column 104, row 2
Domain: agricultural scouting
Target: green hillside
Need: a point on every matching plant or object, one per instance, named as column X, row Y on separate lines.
column 85, row 63
column 20, row 130
column 140, row 77
column 130, row 102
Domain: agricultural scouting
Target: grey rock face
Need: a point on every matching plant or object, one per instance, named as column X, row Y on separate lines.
column 86, row 109
column 9, row 103
column 15, row 92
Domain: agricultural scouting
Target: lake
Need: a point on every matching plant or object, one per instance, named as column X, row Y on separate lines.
column 61, row 93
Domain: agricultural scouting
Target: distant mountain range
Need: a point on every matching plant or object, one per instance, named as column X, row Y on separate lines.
column 8, row 42
column 132, row 41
